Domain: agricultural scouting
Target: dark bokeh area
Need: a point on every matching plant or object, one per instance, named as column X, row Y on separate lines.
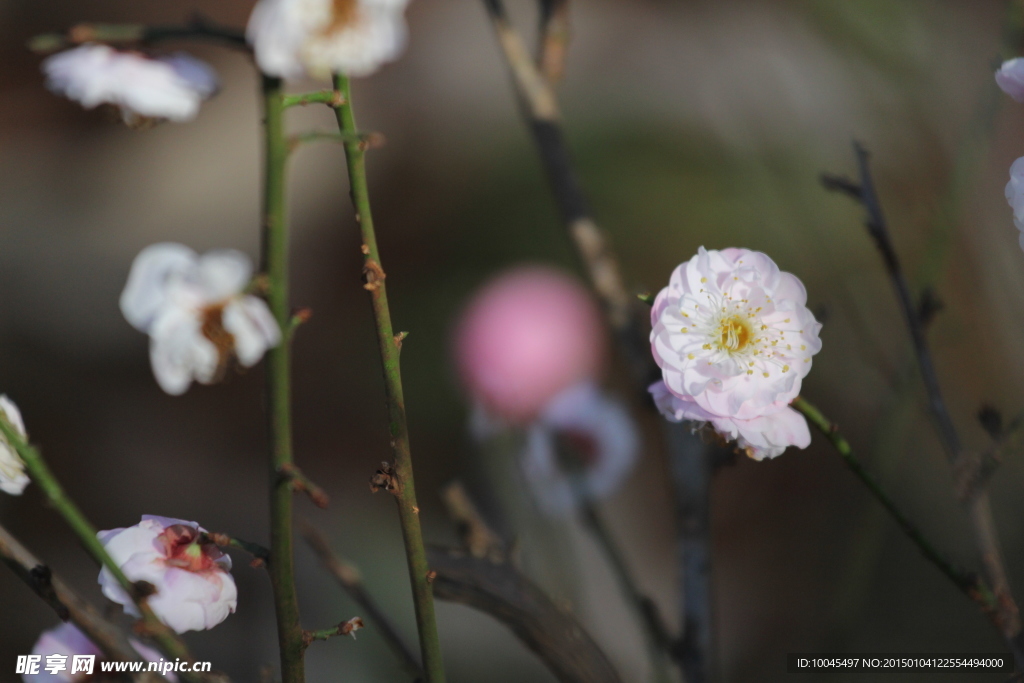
column 693, row 123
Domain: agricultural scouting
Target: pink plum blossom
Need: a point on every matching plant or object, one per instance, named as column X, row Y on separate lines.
column 13, row 478
column 1010, row 78
column 196, row 313
column 194, row 587
column 67, row 640
column 760, row 437
column 295, row 38
column 169, row 87
column 526, row 336
column 734, row 339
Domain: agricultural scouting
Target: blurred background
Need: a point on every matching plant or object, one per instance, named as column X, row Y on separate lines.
column 693, row 123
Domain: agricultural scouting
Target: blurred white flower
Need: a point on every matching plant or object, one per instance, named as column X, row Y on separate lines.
column 13, row 479
column 195, row 590
column 582, row 445
column 169, row 87
column 68, row 641
column 295, row 38
column 732, row 333
column 196, row 313
column 1015, row 196
column 761, row 437
column 1010, row 77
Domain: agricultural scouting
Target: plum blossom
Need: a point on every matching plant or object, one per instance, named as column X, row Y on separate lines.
column 170, row 87
column 1015, row 196
column 13, row 478
column 760, row 437
column 583, row 445
column 196, row 313
column 295, row 38
column 528, row 335
column 734, row 339
column 1010, row 78
column 68, row 641
column 194, row 587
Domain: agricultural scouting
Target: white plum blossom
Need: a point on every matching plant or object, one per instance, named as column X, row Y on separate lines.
column 582, row 445
column 142, row 87
column 196, row 312
column 1010, row 78
column 760, row 437
column 295, row 38
column 13, row 478
column 194, row 588
column 1015, row 196
column 66, row 640
column 734, row 338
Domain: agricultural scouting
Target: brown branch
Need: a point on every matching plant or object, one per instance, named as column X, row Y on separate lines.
column 350, row 580
column 691, row 478
column 499, row 590
column 65, row 602
column 477, row 536
column 554, row 39
column 303, row 484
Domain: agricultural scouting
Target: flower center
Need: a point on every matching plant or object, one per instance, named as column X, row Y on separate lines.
column 213, row 329
column 734, row 333
column 183, row 548
column 343, row 14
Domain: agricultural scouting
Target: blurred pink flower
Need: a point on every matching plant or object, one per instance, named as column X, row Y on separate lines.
column 526, row 336
column 760, row 437
column 142, row 87
column 195, row 590
column 67, row 640
column 732, row 333
column 13, row 479
column 196, row 312
column 602, row 441
column 1010, row 78
column 296, row 38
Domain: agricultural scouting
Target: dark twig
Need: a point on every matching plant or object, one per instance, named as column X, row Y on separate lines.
column 691, row 477
column 976, row 469
column 979, row 510
column 540, row 109
column 554, row 39
column 198, row 28
column 350, row 580
column 65, row 602
column 499, row 590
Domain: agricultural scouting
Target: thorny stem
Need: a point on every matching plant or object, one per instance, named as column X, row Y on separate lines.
column 656, row 635
column 979, row 510
column 349, row 579
column 968, row 583
column 390, row 350
column 275, row 266
column 40, row 473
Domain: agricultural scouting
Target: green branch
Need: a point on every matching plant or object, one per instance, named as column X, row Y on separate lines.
column 275, row 266
column 40, row 473
column 967, row 582
column 390, row 349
